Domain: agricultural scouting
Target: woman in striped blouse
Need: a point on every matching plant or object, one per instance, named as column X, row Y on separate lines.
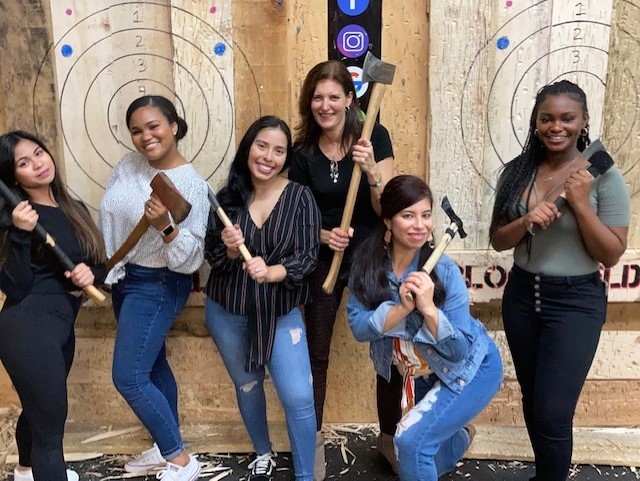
column 252, row 307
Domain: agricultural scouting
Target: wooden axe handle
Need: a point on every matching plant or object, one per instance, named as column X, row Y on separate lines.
column 377, row 92
column 437, row 252
column 213, row 200
column 129, row 243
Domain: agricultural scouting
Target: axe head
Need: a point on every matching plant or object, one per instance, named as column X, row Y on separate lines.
column 375, row 70
column 446, row 206
column 177, row 205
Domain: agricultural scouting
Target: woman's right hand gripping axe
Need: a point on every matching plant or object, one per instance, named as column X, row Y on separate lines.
column 454, row 226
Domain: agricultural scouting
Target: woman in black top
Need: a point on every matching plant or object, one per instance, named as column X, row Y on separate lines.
column 42, row 300
column 327, row 145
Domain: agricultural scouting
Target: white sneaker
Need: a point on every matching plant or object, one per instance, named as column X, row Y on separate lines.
column 174, row 472
column 28, row 475
column 262, row 467
column 149, row 460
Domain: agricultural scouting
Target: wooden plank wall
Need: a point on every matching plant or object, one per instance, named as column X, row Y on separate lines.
column 268, row 48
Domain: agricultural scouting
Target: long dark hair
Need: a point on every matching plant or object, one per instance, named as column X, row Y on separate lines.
column 516, row 175
column 236, row 193
column 85, row 229
column 165, row 106
column 371, row 263
column 308, row 131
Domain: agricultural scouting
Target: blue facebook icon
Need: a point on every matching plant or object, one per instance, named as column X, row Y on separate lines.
column 353, row 7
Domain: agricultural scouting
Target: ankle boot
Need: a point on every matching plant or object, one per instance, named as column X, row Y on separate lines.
column 384, row 445
column 319, row 467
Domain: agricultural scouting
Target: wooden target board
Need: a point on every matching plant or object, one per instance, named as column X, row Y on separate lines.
column 484, row 83
column 106, row 54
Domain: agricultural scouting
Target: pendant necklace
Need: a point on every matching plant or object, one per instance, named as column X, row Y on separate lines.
column 561, row 170
column 333, row 170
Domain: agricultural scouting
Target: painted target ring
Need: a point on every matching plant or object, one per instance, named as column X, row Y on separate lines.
column 519, row 61
column 102, row 65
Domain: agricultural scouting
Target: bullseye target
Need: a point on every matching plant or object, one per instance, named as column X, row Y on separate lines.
column 534, row 45
column 107, row 57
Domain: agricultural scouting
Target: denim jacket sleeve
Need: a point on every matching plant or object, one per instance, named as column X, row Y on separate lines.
column 366, row 325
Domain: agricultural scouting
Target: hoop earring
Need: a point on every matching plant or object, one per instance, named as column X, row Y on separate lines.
column 432, row 244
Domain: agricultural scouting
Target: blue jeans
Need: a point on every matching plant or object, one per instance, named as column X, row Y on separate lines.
column 146, row 303
column 431, row 439
column 291, row 374
column 553, row 326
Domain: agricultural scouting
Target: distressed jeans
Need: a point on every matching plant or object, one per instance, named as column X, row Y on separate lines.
column 431, row 439
column 290, row 371
column 146, row 303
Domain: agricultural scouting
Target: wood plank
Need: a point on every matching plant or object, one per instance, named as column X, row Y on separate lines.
column 27, row 80
column 404, row 114
column 601, row 404
column 622, row 109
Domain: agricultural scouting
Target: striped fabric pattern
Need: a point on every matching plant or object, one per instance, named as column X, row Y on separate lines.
column 291, row 237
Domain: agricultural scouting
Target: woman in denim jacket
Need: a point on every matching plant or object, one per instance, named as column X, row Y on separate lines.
column 421, row 323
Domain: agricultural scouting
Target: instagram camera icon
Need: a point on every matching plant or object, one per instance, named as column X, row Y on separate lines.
column 353, row 41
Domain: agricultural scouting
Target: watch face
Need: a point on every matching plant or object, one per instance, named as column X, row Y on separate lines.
column 168, row 230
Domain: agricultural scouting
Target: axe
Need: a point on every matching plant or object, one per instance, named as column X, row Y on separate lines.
column 600, row 161
column 177, row 206
column 13, row 200
column 213, row 200
column 454, row 226
column 381, row 74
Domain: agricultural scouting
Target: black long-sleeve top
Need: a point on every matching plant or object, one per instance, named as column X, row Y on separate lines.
column 32, row 268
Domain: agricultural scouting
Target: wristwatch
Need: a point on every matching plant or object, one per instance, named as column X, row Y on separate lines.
column 167, row 230
column 378, row 182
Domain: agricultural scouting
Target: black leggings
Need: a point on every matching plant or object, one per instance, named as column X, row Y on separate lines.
column 553, row 326
column 320, row 317
column 36, row 349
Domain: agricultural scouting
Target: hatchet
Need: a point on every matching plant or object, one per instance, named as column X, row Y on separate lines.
column 177, row 206
column 380, row 74
column 600, row 161
column 13, row 200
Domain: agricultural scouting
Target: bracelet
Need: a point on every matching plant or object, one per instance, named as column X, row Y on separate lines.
column 378, row 182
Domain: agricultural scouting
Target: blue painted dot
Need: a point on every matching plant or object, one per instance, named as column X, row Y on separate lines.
column 503, row 42
column 219, row 48
column 66, row 51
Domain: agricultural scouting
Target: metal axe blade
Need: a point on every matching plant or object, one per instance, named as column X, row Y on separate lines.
column 375, row 70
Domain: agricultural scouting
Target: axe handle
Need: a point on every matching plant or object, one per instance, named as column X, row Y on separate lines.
column 213, row 200
column 129, row 243
column 377, row 92
column 438, row 251
column 92, row 291
column 246, row 255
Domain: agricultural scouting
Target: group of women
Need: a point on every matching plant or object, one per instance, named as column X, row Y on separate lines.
column 436, row 365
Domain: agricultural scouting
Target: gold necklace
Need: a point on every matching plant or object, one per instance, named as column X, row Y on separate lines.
column 561, row 170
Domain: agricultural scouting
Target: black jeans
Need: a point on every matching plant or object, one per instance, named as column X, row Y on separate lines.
column 37, row 345
column 553, row 326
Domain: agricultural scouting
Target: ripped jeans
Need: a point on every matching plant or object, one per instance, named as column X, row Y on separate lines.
column 430, row 439
column 290, row 371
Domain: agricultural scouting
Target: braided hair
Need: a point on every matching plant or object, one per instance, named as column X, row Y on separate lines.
column 516, row 175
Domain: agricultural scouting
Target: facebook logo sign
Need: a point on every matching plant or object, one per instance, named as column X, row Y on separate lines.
column 353, row 7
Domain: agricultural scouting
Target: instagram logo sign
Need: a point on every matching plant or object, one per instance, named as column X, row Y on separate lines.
column 353, row 41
